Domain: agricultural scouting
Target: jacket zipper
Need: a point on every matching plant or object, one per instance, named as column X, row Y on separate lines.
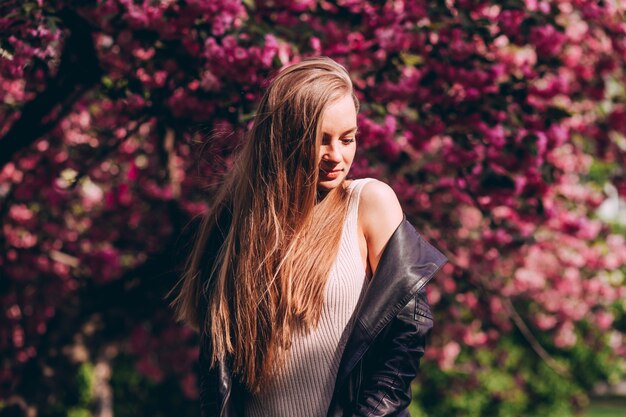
column 225, row 402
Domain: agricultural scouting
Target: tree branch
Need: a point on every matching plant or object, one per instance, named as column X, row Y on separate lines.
column 78, row 71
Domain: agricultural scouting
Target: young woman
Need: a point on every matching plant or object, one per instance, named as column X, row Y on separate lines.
column 307, row 287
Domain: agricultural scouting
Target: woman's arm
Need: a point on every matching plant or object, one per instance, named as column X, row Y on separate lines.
column 379, row 216
column 393, row 360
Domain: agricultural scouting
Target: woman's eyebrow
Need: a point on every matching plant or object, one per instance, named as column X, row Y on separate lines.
column 351, row 130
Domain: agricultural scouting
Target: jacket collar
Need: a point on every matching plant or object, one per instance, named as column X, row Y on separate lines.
column 407, row 263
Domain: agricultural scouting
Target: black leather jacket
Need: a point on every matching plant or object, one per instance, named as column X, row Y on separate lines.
column 382, row 354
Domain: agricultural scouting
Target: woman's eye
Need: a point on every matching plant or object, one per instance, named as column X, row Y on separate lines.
column 347, row 141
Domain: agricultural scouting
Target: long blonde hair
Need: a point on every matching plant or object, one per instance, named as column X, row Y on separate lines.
column 272, row 239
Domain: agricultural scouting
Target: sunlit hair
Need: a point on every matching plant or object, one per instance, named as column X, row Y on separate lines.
column 257, row 272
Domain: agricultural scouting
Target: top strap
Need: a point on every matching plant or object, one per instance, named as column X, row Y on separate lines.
column 355, row 188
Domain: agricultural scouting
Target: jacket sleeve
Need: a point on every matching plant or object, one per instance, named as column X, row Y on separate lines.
column 394, row 361
column 208, row 382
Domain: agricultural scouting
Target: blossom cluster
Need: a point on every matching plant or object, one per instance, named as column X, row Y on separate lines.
column 498, row 124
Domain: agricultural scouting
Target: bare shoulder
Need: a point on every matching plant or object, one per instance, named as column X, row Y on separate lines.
column 380, row 214
column 379, row 205
column 377, row 194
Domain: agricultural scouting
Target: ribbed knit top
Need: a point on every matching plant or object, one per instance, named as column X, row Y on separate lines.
column 304, row 385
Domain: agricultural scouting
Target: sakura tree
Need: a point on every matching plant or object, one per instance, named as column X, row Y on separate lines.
column 500, row 125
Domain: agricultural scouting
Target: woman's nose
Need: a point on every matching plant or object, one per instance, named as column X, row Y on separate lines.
column 330, row 152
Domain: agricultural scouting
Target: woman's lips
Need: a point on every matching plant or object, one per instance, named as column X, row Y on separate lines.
column 331, row 175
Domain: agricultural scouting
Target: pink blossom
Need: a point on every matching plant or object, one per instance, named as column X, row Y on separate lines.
column 510, row 22
column 495, row 306
column 495, row 135
column 147, row 366
column 316, row 45
column 447, row 284
column 592, row 10
column 534, row 5
column 18, row 337
column 189, row 385
column 104, row 264
column 617, row 246
column 449, row 353
column 459, row 48
column 470, row 217
column 14, row 312
column 565, row 336
column 545, row 321
column 271, row 48
column 527, row 279
column 210, row 82
column 617, row 119
column 547, row 40
column 473, row 335
column 92, row 194
column 19, row 237
column 20, row 213
column 144, row 54
column 603, row 320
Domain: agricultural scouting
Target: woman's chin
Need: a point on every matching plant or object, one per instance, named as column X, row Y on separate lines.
column 326, row 185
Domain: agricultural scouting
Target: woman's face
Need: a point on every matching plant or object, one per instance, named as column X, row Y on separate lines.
column 338, row 143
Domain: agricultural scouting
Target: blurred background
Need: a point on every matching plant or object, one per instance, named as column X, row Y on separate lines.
column 500, row 125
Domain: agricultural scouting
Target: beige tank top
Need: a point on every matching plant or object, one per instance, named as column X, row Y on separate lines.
column 304, row 386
